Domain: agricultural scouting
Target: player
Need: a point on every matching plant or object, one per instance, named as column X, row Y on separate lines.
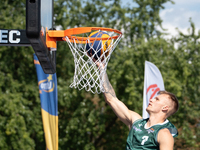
column 153, row 133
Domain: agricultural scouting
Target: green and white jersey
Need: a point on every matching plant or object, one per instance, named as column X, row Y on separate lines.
column 142, row 138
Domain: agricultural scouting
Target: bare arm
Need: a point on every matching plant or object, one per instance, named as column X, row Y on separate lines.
column 123, row 113
column 165, row 140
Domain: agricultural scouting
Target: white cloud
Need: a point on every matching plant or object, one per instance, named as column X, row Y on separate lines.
column 187, row 1
column 178, row 15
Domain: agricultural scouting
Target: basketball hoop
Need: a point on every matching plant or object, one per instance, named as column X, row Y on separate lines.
column 89, row 45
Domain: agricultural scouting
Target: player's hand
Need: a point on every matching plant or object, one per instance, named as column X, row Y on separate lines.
column 99, row 63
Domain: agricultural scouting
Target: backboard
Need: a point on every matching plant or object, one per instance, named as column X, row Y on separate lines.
column 39, row 19
column 47, row 7
column 46, row 16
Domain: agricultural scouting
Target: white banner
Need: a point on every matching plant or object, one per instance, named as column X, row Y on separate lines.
column 153, row 83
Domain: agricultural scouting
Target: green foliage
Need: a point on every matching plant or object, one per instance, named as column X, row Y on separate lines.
column 188, row 66
column 85, row 120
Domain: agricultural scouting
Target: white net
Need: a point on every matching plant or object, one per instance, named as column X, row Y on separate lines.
column 91, row 48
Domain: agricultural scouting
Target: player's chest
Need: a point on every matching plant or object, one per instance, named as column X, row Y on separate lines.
column 143, row 136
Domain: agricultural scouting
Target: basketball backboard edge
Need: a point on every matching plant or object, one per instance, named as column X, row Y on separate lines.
column 39, row 17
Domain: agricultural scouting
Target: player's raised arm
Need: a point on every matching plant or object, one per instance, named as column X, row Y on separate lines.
column 123, row 113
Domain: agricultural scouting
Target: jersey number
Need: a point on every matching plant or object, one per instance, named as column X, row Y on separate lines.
column 145, row 138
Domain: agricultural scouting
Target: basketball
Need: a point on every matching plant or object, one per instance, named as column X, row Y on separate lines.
column 98, row 47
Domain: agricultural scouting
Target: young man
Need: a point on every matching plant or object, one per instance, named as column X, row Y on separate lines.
column 153, row 133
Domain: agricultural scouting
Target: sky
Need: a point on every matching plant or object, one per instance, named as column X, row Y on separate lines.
column 177, row 15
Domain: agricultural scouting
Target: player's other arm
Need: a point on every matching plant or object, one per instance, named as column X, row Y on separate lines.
column 123, row 113
column 165, row 140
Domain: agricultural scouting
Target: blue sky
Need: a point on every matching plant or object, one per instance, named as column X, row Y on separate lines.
column 177, row 15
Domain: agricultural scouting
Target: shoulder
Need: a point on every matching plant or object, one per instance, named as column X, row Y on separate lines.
column 139, row 122
column 135, row 117
column 172, row 129
column 165, row 132
column 165, row 138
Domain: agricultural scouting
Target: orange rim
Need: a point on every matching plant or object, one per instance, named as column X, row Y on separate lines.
column 53, row 35
column 86, row 39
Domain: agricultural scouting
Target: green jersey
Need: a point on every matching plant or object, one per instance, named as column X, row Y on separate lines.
column 142, row 138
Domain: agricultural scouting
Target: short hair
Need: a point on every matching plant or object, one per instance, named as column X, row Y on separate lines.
column 173, row 98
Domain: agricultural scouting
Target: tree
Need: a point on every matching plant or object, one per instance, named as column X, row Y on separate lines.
column 20, row 123
column 85, row 120
column 188, row 74
column 142, row 19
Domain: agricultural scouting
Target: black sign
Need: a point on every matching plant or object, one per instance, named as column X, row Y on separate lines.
column 13, row 37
